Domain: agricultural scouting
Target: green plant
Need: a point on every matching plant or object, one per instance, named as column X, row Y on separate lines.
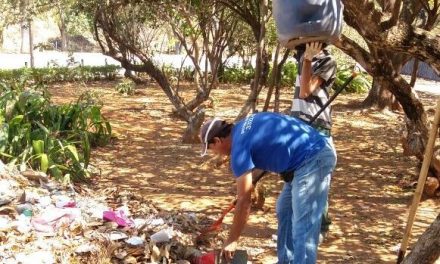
column 126, row 87
column 59, row 74
column 238, row 75
column 54, row 139
column 360, row 84
column 288, row 74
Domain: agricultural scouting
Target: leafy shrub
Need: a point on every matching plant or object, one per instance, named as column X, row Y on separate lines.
column 54, row 139
column 126, row 87
column 237, row 75
column 288, row 74
column 173, row 74
column 60, row 74
column 360, row 84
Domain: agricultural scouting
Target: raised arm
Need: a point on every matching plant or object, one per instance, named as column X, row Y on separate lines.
column 309, row 83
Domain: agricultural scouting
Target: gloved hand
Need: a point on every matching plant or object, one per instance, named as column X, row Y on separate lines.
column 312, row 49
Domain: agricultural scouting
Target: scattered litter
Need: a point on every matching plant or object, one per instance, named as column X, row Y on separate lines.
column 163, row 235
column 117, row 236
column 52, row 218
column 4, row 222
column 23, row 224
column 44, row 201
column 64, row 202
column 86, row 248
column 7, row 191
column 156, row 222
column 2, row 168
column 135, row 241
column 40, row 221
column 31, row 197
column 42, row 257
column 118, row 217
column 20, row 208
column 139, row 222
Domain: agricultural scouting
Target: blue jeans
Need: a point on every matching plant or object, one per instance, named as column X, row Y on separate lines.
column 300, row 207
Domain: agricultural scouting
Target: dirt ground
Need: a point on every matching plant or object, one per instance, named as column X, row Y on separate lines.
column 370, row 193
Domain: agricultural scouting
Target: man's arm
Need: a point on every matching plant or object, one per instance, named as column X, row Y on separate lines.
column 241, row 213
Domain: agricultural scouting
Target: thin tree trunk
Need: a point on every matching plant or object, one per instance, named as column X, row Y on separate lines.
column 414, row 72
column 62, row 27
column 63, row 33
column 31, row 44
column 1, row 37
column 22, row 32
column 272, row 78
column 427, row 248
column 277, row 83
column 261, row 67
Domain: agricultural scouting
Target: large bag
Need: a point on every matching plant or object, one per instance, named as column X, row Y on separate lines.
column 303, row 21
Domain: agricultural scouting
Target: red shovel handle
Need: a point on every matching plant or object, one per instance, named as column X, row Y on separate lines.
column 217, row 224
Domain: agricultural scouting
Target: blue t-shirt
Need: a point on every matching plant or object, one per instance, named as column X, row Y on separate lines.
column 272, row 142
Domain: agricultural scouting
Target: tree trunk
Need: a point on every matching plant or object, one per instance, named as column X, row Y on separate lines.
column 427, row 248
column 63, row 34
column 277, row 83
column 191, row 134
column 1, row 37
column 380, row 96
column 272, row 78
column 414, row 72
column 31, row 44
column 23, row 34
column 262, row 63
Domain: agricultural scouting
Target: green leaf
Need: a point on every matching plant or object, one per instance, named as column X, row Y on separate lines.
column 16, row 120
column 86, row 149
column 38, row 146
column 43, row 127
column 56, row 172
column 6, row 155
column 44, row 163
column 96, row 114
column 4, row 137
column 73, row 151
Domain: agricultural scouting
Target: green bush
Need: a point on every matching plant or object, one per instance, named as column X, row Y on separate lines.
column 60, row 74
column 237, row 75
column 360, row 84
column 288, row 74
column 126, row 87
column 54, row 139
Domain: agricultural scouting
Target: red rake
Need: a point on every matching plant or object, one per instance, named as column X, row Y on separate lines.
column 217, row 225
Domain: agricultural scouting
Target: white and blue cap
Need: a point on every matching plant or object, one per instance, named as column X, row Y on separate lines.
column 208, row 131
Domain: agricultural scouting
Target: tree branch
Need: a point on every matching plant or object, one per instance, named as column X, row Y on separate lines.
column 394, row 17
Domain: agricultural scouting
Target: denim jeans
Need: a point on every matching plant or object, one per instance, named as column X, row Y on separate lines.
column 326, row 219
column 300, row 207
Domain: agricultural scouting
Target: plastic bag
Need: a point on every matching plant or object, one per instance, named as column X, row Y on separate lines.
column 303, row 21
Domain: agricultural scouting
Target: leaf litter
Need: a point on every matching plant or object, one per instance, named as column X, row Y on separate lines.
column 43, row 221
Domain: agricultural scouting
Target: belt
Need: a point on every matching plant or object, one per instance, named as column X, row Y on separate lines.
column 325, row 131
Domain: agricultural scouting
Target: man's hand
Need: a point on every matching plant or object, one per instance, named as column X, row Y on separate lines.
column 228, row 250
column 312, row 49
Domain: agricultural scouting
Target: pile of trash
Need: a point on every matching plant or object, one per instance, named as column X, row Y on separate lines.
column 42, row 221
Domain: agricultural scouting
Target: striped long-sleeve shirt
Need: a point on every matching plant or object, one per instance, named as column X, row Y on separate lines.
column 323, row 66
